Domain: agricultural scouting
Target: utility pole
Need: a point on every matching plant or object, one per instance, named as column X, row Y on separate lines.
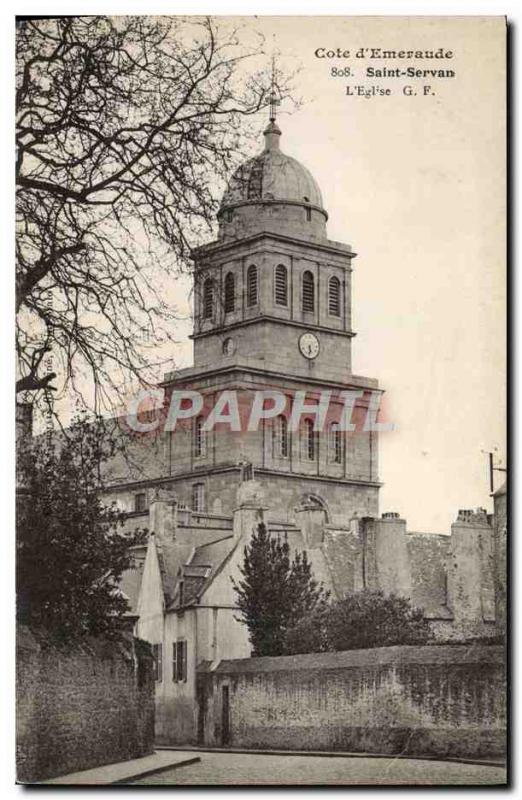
column 492, row 469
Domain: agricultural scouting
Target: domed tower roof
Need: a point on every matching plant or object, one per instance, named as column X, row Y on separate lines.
column 272, row 193
column 272, row 176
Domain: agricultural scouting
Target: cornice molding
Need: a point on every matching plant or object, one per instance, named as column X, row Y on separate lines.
column 326, row 245
column 212, row 470
column 272, row 318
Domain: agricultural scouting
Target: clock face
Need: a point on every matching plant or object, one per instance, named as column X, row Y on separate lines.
column 309, row 345
column 229, row 347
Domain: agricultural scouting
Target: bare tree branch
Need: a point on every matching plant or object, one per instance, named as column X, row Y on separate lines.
column 123, row 126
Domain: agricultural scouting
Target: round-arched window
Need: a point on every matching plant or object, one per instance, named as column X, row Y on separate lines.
column 230, row 292
column 208, row 298
column 252, row 285
column 281, row 285
column 308, row 291
column 334, row 296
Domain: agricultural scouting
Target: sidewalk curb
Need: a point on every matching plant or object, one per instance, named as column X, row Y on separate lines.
column 333, row 754
column 139, row 771
column 155, row 771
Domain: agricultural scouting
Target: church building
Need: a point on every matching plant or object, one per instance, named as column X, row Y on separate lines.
column 273, row 314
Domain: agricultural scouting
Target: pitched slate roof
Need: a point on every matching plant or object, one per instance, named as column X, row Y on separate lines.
column 206, row 562
column 172, row 556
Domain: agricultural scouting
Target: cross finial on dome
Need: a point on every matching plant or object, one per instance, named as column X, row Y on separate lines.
column 272, row 132
column 274, row 101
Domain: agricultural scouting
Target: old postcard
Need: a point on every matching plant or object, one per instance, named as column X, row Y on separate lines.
column 261, row 400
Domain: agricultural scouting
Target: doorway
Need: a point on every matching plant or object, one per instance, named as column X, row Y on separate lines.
column 225, row 716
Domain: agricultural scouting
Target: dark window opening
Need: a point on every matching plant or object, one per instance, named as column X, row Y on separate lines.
column 308, row 292
column 334, row 297
column 230, row 293
column 179, row 661
column 225, row 716
column 252, row 285
column 140, row 502
column 281, row 285
column 308, row 214
column 208, row 298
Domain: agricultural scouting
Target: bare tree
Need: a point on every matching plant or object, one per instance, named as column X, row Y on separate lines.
column 122, row 126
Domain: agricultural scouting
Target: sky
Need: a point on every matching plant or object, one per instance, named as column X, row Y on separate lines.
column 416, row 184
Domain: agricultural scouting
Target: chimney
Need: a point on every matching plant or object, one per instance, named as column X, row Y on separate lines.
column 163, row 515
column 470, row 535
column 250, row 508
column 310, row 518
column 392, row 569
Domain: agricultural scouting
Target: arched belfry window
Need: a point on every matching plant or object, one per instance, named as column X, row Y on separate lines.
column 334, row 297
column 230, row 292
column 309, row 440
column 208, row 298
column 281, row 442
column 308, row 291
column 252, row 285
column 281, row 285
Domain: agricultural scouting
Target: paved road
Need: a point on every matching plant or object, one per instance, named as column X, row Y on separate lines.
column 254, row 769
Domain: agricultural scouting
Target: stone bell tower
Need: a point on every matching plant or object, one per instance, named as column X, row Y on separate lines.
column 272, row 310
column 273, row 276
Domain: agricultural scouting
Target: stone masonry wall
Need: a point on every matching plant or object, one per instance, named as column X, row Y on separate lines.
column 436, row 700
column 82, row 707
column 500, row 547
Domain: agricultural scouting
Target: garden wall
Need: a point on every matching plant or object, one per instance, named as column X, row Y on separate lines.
column 81, row 707
column 432, row 700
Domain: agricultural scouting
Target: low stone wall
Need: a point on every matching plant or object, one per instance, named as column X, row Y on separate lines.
column 432, row 700
column 83, row 707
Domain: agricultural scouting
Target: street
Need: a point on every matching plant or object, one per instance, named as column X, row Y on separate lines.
column 256, row 769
